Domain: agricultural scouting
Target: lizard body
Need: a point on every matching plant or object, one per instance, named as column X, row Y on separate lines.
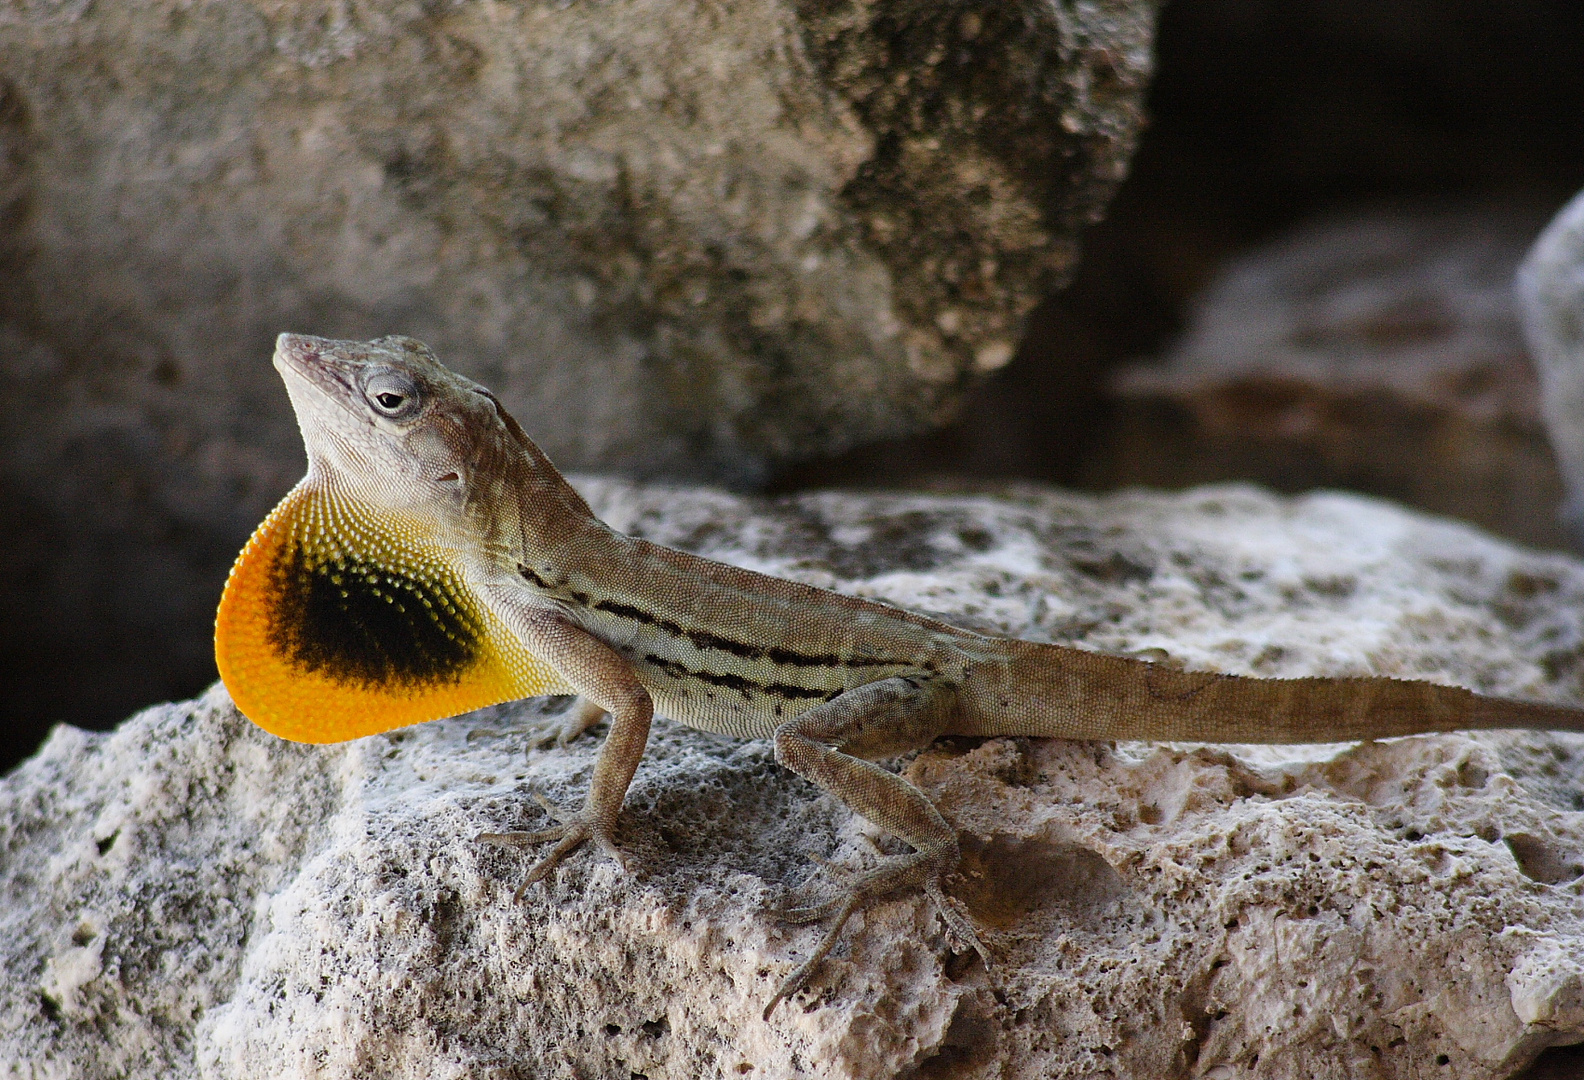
column 433, row 561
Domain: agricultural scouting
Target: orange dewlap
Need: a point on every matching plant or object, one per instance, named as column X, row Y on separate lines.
column 332, row 627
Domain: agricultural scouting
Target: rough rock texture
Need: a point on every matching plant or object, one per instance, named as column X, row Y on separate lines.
column 676, row 237
column 189, row 896
column 673, row 235
column 1379, row 352
column 1551, row 298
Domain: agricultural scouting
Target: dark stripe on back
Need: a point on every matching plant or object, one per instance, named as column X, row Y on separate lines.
column 703, row 639
column 776, row 654
column 733, row 682
column 534, row 579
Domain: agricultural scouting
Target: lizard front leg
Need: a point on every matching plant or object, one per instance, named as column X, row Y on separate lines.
column 606, row 681
column 827, row 746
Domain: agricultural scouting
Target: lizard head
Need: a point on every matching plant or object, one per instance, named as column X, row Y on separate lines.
column 354, row 607
column 386, row 424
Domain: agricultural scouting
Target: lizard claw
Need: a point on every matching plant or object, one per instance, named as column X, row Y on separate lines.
column 955, row 920
column 805, row 971
column 571, row 830
column 903, row 871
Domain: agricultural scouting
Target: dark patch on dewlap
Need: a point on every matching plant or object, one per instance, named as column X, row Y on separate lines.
column 356, row 621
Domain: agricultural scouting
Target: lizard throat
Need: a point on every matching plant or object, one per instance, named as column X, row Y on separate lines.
column 333, row 626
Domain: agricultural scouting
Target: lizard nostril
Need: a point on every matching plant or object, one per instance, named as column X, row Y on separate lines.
column 447, row 478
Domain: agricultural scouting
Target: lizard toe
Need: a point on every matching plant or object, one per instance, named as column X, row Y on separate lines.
column 569, row 838
column 807, row 913
column 919, row 869
column 572, row 828
column 805, row 971
column 955, row 920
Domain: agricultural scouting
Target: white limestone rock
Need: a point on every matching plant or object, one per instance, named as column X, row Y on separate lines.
column 188, row 896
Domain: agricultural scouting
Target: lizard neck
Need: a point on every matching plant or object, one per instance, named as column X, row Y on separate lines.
column 530, row 512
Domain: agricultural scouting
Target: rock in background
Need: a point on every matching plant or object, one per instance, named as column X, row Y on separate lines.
column 1379, row 352
column 1551, row 299
column 189, row 896
column 1265, row 116
column 676, row 237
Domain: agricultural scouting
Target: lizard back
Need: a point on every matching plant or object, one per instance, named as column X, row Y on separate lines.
column 731, row 650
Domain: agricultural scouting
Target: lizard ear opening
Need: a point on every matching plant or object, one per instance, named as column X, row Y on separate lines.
column 329, row 629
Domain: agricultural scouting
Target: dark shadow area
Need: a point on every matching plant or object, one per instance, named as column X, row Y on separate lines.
column 1263, row 115
column 1557, row 1063
column 90, row 648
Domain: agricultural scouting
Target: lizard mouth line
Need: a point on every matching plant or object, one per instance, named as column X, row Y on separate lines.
column 295, row 355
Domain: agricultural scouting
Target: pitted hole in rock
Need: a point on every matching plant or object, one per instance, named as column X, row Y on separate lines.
column 1542, row 860
column 1008, row 878
column 971, row 1040
column 1472, row 775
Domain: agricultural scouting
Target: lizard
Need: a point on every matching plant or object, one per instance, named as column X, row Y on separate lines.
column 433, row 561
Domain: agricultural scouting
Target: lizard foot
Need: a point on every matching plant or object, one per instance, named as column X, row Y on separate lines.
column 920, row 868
column 572, row 829
column 572, row 722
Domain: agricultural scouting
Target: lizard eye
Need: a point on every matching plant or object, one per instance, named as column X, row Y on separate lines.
column 391, row 394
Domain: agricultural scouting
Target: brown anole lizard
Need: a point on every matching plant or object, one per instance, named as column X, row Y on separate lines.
column 433, row 561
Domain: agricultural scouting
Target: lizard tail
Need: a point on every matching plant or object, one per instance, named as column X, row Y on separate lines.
column 1084, row 695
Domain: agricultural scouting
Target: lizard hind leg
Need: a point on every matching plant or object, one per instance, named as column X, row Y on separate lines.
column 827, row 746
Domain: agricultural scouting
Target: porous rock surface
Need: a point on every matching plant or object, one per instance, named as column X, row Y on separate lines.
column 1378, row 351
column 676, row 236
column 188, row 896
